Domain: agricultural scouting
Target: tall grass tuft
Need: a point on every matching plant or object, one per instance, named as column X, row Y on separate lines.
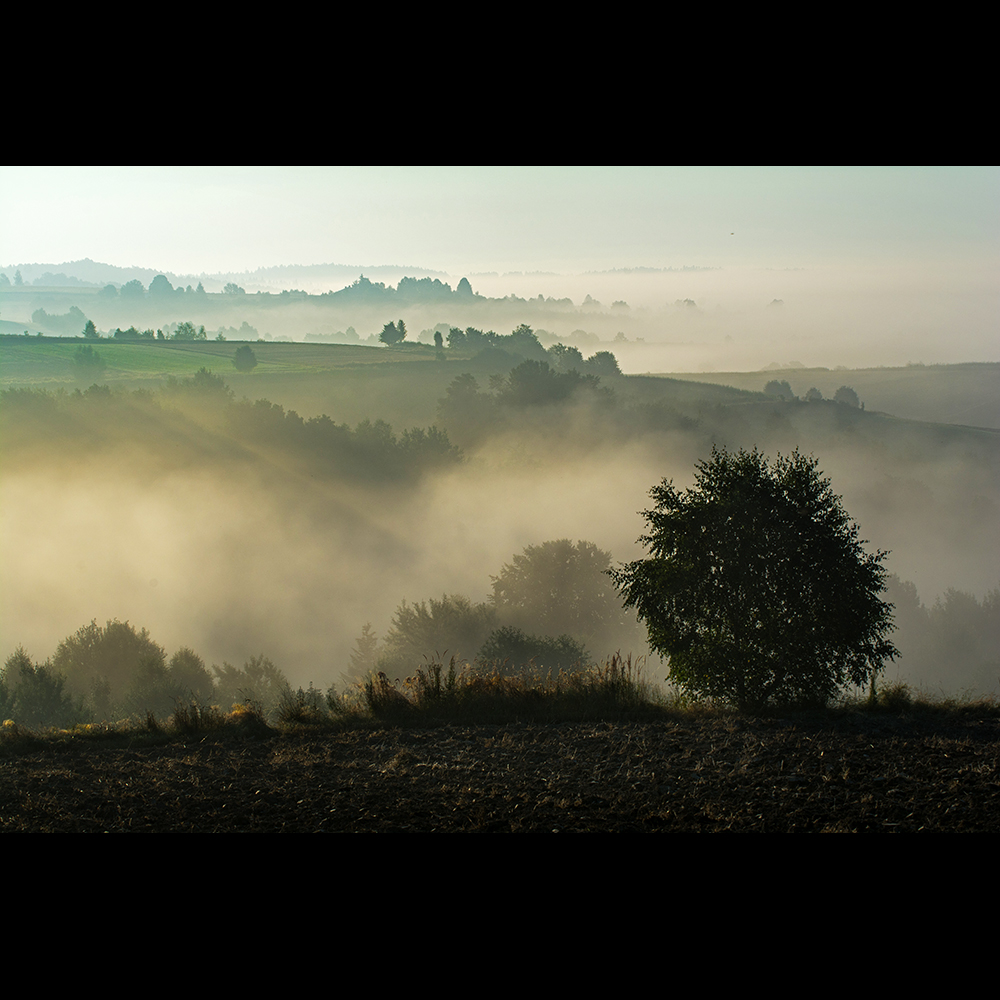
column 192, row 718
column 490, row 693
column 301, row 707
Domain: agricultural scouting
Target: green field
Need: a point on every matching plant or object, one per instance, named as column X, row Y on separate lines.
column 354, row 383
column 350, row 383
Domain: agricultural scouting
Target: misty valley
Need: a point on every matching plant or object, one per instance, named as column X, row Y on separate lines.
column 319, row 514
column 499, row 499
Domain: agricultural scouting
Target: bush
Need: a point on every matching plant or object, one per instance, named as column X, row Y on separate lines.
column 517, row 650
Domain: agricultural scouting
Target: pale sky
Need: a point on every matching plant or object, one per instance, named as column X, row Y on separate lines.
column 467, row 219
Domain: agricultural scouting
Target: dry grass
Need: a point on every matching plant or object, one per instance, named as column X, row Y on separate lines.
column 478, row 693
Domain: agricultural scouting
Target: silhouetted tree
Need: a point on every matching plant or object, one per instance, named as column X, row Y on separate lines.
column 187, row 672
column 364, row 656
column 259, row 680
column 510, row 650
column 781, row 389
column 112, row 654
column 391, row 334
column 33, row 695
column 846, row 395
column 560, row 587
column 88, row 362
column 428, row 628
column 187, row 331
column 756, row 586
column 603, row 364
column 245, row 359
column 563, row 358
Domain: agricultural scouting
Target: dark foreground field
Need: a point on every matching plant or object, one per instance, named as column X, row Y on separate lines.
column 851, row 773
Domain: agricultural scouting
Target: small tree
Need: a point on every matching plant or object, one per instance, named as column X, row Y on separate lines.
column 781, row 389
column 757, row 587
column 846, row 395
column 259, row 681
column 245, row 359
column 88, row 362
column 33, row 694
column 160, row 285
column 364, row 657
column 392, row 334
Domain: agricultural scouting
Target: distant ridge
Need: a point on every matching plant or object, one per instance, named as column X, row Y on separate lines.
column 320, row 277
column 653, row 270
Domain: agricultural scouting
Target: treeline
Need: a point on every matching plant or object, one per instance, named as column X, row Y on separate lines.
column 951, row 645
column 116, row 672
column 198, row 418
column 552, row 607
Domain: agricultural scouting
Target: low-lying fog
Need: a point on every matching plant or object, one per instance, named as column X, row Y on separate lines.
column 243, row 559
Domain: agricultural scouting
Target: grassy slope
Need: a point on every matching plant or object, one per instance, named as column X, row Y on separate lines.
column 349, row 383
column 352, row 383
column 967, row 394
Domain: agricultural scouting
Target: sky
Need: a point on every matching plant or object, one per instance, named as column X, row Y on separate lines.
column 472, row 219
column 872, row 265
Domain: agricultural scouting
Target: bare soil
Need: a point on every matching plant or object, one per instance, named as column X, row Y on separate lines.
column 849, row 773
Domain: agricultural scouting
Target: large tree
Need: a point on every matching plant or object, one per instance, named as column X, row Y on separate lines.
column 757, row 587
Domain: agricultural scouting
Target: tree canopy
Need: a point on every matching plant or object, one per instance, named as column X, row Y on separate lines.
column 560, row 587
column 757, row 587
column 393, row 333
column 245, row 360
column 107, row 656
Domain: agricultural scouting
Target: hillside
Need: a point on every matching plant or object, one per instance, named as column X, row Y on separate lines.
column 278, row 511
column 967, row 394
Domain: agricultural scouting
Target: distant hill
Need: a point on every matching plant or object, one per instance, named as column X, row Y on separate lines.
column 967, row 394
